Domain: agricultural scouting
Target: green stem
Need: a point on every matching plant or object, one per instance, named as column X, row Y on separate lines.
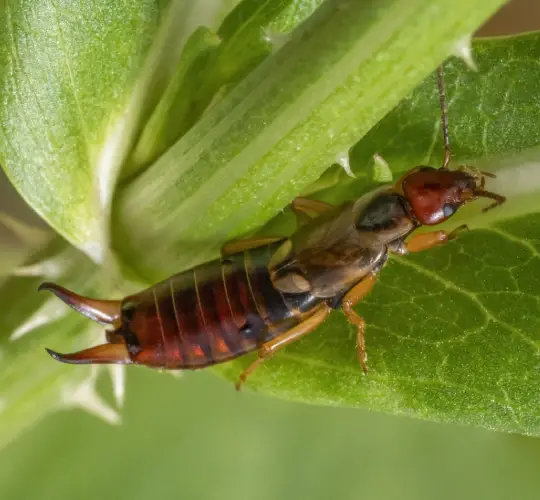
column 282, row 126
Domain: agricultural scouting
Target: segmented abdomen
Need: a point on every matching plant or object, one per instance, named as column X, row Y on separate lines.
column 212, row 313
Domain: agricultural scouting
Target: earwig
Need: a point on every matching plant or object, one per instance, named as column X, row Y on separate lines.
column 264, row 294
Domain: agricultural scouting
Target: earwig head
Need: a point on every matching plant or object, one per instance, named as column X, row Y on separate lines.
column 436, row 194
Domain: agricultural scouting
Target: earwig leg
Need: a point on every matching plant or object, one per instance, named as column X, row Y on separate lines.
column 100, row 354
column 306, row 209
column 233, row 247
column 106, row 312
column 454, row 233
column 353, row 296
column 425, row 241
column 268, row 349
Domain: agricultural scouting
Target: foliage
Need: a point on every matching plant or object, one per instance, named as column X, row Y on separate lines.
column 154, row 154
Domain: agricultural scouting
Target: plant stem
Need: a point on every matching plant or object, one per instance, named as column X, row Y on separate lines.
column 281, row 127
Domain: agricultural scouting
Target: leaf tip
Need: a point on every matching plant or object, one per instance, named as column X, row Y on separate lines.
column 343, row 161
column 49, row 268
column 118, row 380
column 381, row 170
column 463, row 50
column 275, row 39
column 86, row 397
column 96, row 250
column 48, row 312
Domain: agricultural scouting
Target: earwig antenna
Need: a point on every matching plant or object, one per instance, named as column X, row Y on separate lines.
column 444, row 117
column 499, row 200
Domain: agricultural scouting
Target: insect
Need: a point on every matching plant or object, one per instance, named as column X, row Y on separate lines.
column 264, row 294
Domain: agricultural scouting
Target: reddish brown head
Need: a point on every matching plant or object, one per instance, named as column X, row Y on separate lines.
column 436, row 194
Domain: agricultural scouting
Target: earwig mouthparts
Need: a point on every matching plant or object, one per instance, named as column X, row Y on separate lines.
column 499, row 200
column 100, row 354
column 106, row 312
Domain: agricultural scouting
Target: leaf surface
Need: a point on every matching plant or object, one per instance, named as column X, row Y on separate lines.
column 67, row 73
column 77, row 80
column 277, row 130
column 454, row 333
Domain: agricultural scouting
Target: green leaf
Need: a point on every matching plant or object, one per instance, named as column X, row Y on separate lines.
column 174, row 113
column 266, row 139
column 492, row 114
column 67, row 73
column 211, row 63
column 77, row 82
column 453, row 334
column 282, row 126
column 113, row 81
column 32, row 384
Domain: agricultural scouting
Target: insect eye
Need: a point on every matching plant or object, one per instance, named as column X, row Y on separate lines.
column 449, row 210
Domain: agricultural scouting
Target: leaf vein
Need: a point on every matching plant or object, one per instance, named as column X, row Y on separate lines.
column 514, row 239
column 79, row 114
column 473, row 297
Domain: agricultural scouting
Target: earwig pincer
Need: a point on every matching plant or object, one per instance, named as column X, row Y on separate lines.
column 264, row 294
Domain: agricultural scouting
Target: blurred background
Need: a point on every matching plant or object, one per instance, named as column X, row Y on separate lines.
column 195, row 437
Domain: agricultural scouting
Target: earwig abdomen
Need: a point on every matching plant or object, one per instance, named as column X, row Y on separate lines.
column 210, row 314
